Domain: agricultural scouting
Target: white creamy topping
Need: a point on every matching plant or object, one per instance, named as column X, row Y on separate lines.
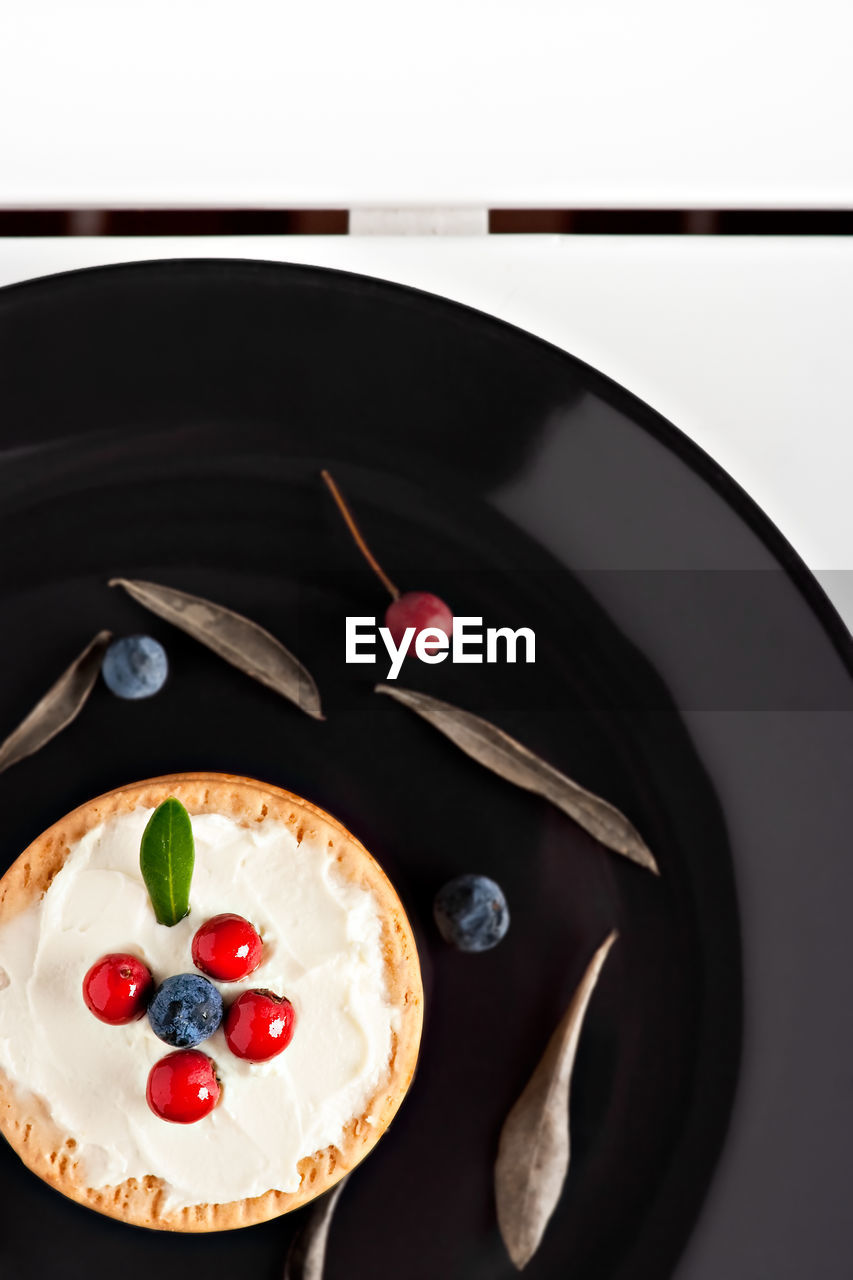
column 322, row 949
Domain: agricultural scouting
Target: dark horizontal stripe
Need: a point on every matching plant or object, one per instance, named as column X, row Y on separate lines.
column 174, row 222
column 253, row 222
column 667, row 222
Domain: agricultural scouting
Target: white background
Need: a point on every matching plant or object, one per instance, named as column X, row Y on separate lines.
column 549, row 102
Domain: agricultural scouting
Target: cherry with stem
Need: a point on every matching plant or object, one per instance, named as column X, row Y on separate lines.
column 419, row 609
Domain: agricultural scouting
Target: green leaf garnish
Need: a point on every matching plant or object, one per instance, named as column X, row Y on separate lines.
column 166, row 859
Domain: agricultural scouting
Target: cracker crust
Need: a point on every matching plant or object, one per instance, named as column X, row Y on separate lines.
column 25, row 1120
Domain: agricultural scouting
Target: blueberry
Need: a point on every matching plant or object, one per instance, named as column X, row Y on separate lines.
column 185, row 1010
column 471, row 913
column 135, row 667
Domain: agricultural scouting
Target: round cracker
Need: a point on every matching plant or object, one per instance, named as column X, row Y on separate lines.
column 25, row 1119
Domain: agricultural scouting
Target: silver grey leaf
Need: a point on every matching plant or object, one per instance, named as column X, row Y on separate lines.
column 306, row 1258
column 238, row 640
column 491, row 747
column 533, row 1153
column 59, row 706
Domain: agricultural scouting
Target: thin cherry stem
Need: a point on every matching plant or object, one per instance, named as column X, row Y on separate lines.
column 357, row 536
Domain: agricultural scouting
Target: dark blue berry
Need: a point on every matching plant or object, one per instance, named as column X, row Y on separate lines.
column 471, row 913
column 185, row 1010
column 135, row 667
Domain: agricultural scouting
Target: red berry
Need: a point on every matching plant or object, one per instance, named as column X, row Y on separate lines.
column 227, row 947
column 259, row 1025
column 421, row 610
column 182, row 1087
column 117, row 988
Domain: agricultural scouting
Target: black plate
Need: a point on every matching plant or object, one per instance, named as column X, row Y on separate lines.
column 169, row 420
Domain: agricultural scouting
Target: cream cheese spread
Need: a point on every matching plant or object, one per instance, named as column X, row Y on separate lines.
column 322, row 949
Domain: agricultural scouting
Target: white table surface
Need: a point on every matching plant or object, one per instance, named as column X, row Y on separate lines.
column 459, row 102
column 743, row 343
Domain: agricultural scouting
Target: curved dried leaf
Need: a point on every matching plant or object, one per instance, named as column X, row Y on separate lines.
column 533, row 1153
column 306, row 1258
column 60, row 705
column 238, row 640
column 491, row 747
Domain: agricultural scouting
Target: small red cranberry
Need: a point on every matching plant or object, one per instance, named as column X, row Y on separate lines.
column 117, row 988
column 227, row 948
column 182, row 1087
column 259, row 1025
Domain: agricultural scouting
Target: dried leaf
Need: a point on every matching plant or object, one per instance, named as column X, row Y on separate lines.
column 533, row 1153
column 238, row 640
column 499, row 752
column 59, row 706
column 306, row 1257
